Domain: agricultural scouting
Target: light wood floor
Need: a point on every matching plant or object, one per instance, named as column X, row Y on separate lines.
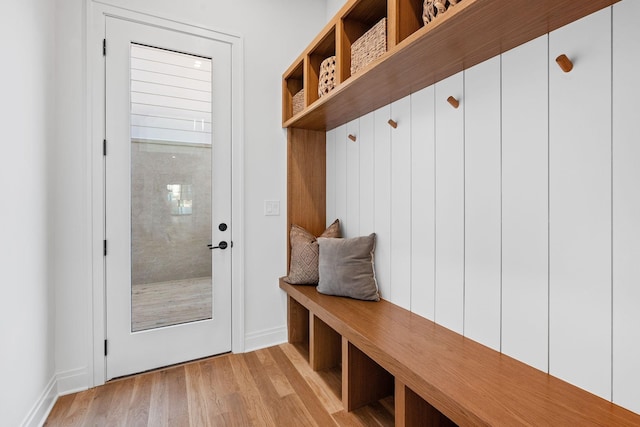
column 269, row 387
column 155, row 305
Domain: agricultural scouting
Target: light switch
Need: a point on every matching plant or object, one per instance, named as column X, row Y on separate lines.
column 272, row 207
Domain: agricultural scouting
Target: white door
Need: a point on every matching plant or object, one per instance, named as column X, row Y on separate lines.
column 168, row 197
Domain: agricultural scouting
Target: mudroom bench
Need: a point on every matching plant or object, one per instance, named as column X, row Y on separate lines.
column 437, row 377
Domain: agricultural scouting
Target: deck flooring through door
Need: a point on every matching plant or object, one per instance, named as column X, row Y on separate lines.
column 269, row 387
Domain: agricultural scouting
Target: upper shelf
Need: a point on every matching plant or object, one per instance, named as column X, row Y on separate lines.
column 467, row 34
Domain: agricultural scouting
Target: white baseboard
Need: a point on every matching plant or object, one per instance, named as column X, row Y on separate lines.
column 265, row 338
column 40, row 410
column 72, row 381
column 61, row 383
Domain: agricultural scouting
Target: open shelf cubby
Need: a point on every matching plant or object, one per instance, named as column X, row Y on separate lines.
column 418, row 55
column 408, row 18
column 354, row 23
column 292, row 83
column 323, row 49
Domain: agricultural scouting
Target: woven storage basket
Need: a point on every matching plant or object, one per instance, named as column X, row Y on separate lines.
column 327, row 79
column 431, row 9
column 370, row 46
column 298, row 102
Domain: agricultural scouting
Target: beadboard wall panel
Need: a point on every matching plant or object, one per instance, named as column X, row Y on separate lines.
column 482, row 286
column 423, row 202
column 382, row 195
column 626, row 206
column 340, row 136
column 450, row 204
column 352, row 219
column 580, row 205
column 525, row 207
column 532, row 165
column 367, row 175
column 331, row 176
column 401, row 203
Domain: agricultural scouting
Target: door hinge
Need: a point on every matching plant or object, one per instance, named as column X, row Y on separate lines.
column 104, row 47
column 104, row 147
column 105, row 247
column 105, row 347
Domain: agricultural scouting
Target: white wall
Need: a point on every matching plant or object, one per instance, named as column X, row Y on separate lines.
column 333, row 6
column 274, row 33
column 26, row 305
column 497, row 219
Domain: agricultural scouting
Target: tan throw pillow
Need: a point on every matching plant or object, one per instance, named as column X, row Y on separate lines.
column 346, row 268
column 303, row 269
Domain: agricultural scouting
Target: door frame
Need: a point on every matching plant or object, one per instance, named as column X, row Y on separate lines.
column 95, row 131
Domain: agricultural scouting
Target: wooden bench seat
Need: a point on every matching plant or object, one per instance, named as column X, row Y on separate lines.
column 437, row 375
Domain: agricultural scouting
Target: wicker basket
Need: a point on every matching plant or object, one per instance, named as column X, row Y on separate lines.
column 298, row 102
column 370, row 46
column 431, row 9
column 327, row 79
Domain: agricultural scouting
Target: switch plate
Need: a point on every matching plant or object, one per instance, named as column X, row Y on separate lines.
column 272, row 207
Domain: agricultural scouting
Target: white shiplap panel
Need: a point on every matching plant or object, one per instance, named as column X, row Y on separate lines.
column 423, row 202
column 157, row 55
column 201, row 125
column 331, row 176
column 367, row 177
column 626, row 205
column 382, row 165
column 199, row 107
column 525, row 215
column 178, row 136
column 450, row 204
column 341, row 174
column 351, row 225
column 580, row 205
column 177, row 81
column 170, row 69
column 167, row 89
column 401, row 203
column 482, row 287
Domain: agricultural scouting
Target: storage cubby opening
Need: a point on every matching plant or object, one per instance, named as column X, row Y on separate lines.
column 356, row 22
column 293, row 84
column 364, row 381
column 409, row 18
column 325, row 345
column 417, row 411
column 298, row 327
column 325, row 49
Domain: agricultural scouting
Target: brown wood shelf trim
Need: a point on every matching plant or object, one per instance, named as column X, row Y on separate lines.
column 469, row 383
column 468, row 34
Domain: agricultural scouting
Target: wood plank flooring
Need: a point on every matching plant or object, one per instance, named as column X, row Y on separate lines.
column 155, row 305
column 269, row 387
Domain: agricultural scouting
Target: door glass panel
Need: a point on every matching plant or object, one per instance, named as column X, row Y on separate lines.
column 171, row 164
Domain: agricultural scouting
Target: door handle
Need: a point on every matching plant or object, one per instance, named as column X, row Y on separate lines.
column 222, row 245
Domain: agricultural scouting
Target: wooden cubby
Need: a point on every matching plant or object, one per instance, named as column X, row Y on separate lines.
column 363, row 381
column 324, row 48
column 298, row 326
column 353, row 23
column 418, row 55
column 292, row 83
column 407, row 20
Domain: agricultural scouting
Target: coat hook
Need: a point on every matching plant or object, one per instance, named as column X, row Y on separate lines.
column 393, row 123
column 564, row 63
column 352, row 137
column 454, row 102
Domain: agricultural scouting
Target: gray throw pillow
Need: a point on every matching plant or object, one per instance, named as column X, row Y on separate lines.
column 303, row 268
column 346, row 268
